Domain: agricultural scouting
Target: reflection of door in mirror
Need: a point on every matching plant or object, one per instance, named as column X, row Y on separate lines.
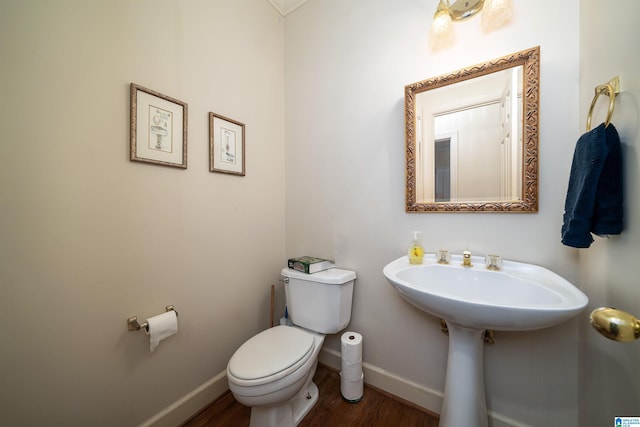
column 511, row 126
column 483, row 162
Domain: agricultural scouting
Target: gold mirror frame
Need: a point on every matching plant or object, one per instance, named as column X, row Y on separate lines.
column 530, row 60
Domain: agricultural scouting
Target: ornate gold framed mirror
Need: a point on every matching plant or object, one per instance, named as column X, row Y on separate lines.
column 472, row 138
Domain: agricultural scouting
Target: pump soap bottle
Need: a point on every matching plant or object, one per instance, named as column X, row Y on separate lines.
column 416, row 253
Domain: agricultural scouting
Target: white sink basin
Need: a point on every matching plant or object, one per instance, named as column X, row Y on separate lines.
column 518, row 297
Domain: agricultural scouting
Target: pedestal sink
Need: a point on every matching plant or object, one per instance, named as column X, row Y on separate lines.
column 518, row 297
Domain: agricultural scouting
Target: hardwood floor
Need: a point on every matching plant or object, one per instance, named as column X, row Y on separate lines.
column 376, row 409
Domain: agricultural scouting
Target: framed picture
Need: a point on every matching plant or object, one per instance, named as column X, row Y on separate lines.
column 158, row 128
column 226, row 145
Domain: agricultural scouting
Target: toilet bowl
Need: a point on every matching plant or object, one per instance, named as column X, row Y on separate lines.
column 276, row 380
column 273, row 371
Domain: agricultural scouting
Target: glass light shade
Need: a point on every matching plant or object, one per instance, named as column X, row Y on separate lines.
column 441, row 35
column 496, row 14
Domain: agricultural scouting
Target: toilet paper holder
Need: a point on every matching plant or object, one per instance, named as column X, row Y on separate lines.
column 134, row 325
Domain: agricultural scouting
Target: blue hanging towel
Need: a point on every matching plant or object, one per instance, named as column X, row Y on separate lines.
column 594, row 202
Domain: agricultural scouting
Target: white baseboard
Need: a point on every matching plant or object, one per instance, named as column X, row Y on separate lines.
column 390, row 383
column 403, row 388
column 422, row 396
column 189, row 405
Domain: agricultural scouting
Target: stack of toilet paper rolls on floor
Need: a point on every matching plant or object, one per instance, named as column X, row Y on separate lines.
column 351, row 375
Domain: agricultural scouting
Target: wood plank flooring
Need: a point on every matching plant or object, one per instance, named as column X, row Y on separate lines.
column 376, row 409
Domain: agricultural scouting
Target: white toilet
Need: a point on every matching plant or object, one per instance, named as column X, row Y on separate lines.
column 273, row 371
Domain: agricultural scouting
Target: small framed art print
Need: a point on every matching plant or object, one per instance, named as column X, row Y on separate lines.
column 226, row 145
column 158, row 128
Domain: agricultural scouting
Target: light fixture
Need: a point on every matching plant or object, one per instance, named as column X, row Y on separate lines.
column 441, row 35
column 495, row 14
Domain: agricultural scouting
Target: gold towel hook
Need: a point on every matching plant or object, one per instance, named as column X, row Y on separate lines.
column 611, row 89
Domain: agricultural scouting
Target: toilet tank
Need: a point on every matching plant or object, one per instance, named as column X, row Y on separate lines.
column 320, row 301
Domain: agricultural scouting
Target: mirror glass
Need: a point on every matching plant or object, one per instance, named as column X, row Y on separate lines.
column 472, row 138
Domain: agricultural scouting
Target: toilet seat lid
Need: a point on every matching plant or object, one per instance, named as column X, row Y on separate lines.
column 272, row 353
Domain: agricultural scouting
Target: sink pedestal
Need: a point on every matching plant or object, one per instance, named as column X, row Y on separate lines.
column 464, row 401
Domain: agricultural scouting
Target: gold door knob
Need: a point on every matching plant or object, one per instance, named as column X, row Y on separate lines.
column 615, row 324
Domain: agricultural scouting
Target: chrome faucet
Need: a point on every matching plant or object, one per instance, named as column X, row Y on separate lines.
column 466, row 259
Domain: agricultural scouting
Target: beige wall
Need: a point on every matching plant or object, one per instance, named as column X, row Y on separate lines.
column 610, row 371
column 89, row 238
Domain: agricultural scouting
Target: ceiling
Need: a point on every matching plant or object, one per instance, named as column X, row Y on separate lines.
column 286, row 6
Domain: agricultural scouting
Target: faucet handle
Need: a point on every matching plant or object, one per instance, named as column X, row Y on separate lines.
column 493, row 262
column 466, row 259
column 443, row 256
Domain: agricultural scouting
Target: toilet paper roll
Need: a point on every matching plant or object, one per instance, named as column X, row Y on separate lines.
column 351, row 346
column 160, row 327
column 351, row 371
column 352, row 391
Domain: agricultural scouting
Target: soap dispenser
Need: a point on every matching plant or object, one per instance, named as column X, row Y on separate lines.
column 416, row 253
